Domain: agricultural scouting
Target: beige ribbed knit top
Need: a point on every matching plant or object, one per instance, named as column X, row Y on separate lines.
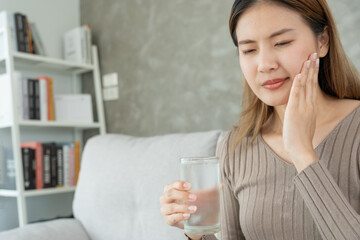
column 263, row 197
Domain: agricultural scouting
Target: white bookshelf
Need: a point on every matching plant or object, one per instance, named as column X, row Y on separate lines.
column 19, row 130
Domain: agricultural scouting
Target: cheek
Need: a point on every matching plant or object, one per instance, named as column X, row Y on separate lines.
column 248, row 69
column 297, row 58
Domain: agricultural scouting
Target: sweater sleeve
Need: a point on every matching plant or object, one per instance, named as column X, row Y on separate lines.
column 229, row 205
column 334, row 216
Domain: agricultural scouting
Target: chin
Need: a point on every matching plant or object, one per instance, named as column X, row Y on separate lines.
column 275, row 102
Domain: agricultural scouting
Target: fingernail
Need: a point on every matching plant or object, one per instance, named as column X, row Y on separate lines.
column 192, row 208
column 317, row 62
column 192, row 196
column 187, row 185
column 186, row 215
column 314, row 56
column 308, row 63
column 299, row 76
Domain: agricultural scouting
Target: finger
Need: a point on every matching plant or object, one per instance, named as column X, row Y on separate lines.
column 310, row 79
column 304, row 81
column 174, row 208
column 173, row 195
column 316, row 81
column 174, row 219
column 181, row 185
column 295, row 91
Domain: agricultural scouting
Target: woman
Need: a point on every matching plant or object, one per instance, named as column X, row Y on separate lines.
column 290, row 169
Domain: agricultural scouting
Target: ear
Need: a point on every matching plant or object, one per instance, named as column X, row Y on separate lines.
column 323, row 42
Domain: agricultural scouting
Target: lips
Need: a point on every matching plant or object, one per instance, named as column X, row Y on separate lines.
column 274, row 83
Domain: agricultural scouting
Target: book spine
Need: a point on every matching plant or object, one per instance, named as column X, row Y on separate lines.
column 25, row 33
column 72, row 166
column 32, row 169
column 29, row 37
column 37, row 100
column 25, row 98
column 19, row 26
column 31, row 96
column 39, row 166
column 37, row 40
column 25, row 152
column 66, row 157
column 88, row 44
column 84, row 56
column 60, row 166
column 51, row 107
column 77, row 160
column 43, row 100
column 46, row 165
column 53, row 164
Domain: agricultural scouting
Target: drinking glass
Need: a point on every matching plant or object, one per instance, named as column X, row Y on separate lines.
column 203, row 174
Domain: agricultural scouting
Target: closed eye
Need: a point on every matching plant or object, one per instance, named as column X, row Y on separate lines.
column 283, row 43
column 248, row 51
column 278, row 44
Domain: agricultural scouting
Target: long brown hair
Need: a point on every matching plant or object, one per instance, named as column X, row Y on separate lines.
column 337, row 75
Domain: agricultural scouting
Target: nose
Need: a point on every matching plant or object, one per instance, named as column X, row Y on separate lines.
column 267, row 62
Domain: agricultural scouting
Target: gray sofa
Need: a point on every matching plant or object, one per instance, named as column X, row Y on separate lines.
column 120, row 183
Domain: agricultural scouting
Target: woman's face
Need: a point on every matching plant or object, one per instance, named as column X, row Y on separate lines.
column 273, row 43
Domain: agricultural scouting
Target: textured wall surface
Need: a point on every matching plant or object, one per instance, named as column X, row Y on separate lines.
column 178, row 69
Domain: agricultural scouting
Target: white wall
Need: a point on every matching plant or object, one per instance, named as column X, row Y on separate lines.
column 52, row 17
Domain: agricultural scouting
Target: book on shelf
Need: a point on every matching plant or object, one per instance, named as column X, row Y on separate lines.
column 43, row 99
column 28, row 157
column 77, row 45
column 50, row 97
column 50, row 164
column 25, row 36
column 37, row 147
column 38, row 45
column 31, row 97
column 21, row 32
column 46, row 166
column 35, row 98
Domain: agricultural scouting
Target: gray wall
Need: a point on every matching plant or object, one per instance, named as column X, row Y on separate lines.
column 178, row 70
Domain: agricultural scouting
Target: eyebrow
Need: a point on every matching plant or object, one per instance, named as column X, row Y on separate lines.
column 277, row 33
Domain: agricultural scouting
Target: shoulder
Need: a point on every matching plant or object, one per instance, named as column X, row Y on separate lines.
column 229, row 149
column 228, row 142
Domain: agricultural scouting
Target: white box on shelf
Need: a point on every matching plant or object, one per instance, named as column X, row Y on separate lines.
column 5, row 98
column 7, row 20
column 73, row 108
column 77, row 45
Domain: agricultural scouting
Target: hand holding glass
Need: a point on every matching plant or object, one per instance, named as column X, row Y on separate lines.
column 203, row 174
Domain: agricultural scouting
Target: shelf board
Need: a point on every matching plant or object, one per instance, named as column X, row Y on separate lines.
column 48, row 191
column 37, row 192
column 37, row 123
column 5, row 125
column 8, row 193
column 27, row 59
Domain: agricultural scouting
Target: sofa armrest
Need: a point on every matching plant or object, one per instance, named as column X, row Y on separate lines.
column 61, row 229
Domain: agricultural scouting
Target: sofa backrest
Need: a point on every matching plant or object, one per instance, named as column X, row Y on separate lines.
column 123, row 177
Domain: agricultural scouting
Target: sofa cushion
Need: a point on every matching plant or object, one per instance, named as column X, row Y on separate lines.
column 123, row 177
column 61, row 229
